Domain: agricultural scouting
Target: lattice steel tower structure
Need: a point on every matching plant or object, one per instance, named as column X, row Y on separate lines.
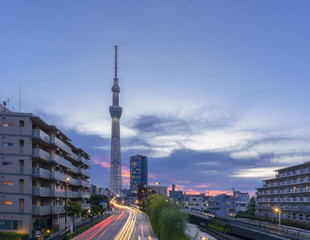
column 116, row 181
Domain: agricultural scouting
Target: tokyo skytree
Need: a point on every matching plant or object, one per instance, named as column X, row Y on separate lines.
column 116, row 181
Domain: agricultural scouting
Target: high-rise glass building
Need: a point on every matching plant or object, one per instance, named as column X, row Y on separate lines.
column 138, row 172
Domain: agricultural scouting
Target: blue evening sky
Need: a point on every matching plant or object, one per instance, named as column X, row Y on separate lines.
column 215, row 93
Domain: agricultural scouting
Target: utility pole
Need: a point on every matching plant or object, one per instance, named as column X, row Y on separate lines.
column 233, row 202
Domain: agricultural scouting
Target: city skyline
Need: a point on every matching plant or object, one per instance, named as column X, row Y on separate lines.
column 219, row 89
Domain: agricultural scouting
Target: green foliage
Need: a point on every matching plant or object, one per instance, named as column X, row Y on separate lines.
column 13, row 236
column 95, row 201
column 167, row 220
column 73, row 209
column 219, row 226
column 251, row 208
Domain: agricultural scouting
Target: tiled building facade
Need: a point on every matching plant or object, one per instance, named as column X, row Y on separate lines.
column 39, row 169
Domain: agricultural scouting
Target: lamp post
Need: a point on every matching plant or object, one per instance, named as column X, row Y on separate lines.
column 158, row 183
column 278, row 211
column 67, row 179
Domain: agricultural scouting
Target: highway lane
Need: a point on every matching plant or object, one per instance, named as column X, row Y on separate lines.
column 108, row 228
column 125, row 224
column 143, row 228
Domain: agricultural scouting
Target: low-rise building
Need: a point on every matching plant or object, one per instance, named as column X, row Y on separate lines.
column 161, row 189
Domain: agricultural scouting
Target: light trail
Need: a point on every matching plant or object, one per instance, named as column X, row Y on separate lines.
column 126, row 232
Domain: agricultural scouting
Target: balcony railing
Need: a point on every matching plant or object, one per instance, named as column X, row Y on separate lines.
column 84, row 183
column 61, row 144
column 84, row 172
column 37, row 133
column 40, row 172
column 41, row 191
column 41, row 210
column 58, row 159
column 84, row 195
column 84, row 160
column 39, row 153
column 85, row 206
column 74, row 169
column 58, row 209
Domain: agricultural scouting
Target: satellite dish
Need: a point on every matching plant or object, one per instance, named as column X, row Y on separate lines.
column 4, row 103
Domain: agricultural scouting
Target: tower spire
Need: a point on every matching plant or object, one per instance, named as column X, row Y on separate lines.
column 115, row 47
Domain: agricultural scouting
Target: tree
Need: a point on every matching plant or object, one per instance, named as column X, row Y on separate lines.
column 73, row 209
column 251, row 208
column 167, row 220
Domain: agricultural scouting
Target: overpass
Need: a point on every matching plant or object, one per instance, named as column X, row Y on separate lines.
column 251, row 229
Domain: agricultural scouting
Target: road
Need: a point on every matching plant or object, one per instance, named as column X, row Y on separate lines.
column 125, row 224
column 107, row 229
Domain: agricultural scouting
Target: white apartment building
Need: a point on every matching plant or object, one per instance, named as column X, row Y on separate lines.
column 196, row 203
column 289, row 191
column 162, row 189
column 39, row 169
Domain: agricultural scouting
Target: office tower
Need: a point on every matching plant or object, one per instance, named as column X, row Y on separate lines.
column 116, row 113
column 138, row 172
column 40, row 169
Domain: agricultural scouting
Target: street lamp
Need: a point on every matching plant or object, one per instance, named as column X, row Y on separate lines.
column 158, row 183
column 66, row 180
column 278, row 211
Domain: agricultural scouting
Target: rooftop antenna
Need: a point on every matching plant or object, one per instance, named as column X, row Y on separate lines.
column 8, row 101
column 115, row 47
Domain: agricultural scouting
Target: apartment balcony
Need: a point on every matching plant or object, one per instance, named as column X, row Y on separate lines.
column 84, row 160
column 84, row 184
column 58, row 159
column 41, row 191
column 85, row 195
column 84, row 172
column 41, row 210
column 41, row 137
column 38, row 153
column 58, row 209
column 296, row 208
column 73, row 156
column 74, row 169
column 61, row 144
column 63, row 193
column 85, row 206
column 41, row 173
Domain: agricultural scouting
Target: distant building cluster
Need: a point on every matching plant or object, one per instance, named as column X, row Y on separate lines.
column 221, row 205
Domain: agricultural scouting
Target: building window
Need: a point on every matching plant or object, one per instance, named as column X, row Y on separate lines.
column 21, row 123
column 6, row 203
column 7, row 163
column 21, row 205
column 21, row 166
column 6, row 144
column 21, row 185
column 7, row 183
column 7, row 124
column 21, row 146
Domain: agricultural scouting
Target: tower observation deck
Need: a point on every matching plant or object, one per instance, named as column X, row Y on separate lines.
column 115, row 182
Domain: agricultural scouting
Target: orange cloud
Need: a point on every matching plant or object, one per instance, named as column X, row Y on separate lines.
column 102, row 163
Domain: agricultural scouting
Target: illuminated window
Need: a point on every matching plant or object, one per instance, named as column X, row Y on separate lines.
column 7, row 124
column 7, row 183
column 6, row 203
